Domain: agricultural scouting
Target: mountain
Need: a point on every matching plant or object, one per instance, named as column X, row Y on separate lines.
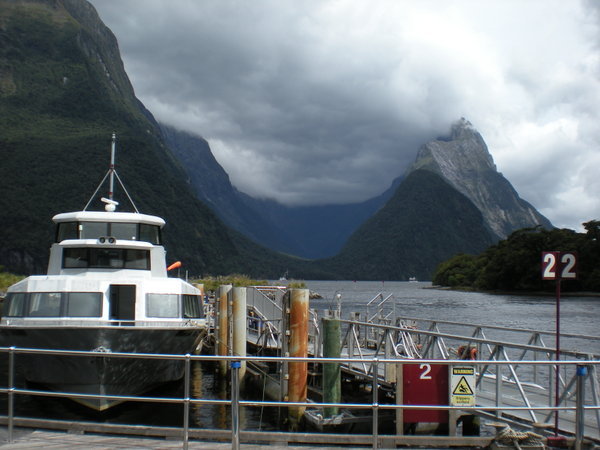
column 63, row 91
column 464, row 161
column 305, row 231
column 426, row 222
column 452, row 200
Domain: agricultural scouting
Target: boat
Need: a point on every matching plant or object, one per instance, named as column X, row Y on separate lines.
column 106, row 290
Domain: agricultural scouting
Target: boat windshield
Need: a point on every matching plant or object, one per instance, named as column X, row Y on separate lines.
column 53, row 304
column 118, row 230
column 105, row 258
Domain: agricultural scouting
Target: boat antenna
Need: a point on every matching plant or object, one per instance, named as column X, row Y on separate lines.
column 111, row 204
column 111, row 169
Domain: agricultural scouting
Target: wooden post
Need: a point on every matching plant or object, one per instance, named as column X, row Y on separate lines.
column 332, row 382
column 240, row 323
column 222, row 327
column 298, row 371
column 399, row 399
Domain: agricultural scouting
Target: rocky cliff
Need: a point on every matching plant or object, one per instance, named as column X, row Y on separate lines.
column 464, row 161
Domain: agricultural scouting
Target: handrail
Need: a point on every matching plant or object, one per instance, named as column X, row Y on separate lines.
column 497, row 327
column 473, row 339
column 374, row 362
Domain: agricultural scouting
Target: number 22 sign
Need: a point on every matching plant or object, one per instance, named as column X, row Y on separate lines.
column 559, row 265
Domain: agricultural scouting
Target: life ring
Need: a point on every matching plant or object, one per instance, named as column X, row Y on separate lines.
column 473, row 353
column 465, row 352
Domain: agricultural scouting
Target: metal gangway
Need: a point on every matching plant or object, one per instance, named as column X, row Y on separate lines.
column 516, row 379
column 512, row 364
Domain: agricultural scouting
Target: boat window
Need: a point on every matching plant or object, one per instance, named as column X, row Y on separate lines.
column 74, row 258
column 162, row 305
column 106, row 258
column 137, row 259
column 15, row 304
column 44, row 304
column 93, row 230
column 66, row 230
column 150, row 233
column 126, row 231
column 84, row 304
column 109, row 258
column 192, row 307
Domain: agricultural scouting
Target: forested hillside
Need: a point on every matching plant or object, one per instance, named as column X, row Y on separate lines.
column 426, row 221
column 63, row 91
column 514, row 264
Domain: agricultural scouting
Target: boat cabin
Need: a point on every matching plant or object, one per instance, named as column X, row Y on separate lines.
column 105, row 266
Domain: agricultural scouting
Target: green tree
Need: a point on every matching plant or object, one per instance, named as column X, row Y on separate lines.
column 515, row 263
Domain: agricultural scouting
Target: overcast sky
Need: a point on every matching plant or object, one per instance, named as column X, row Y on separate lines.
column 320, row 101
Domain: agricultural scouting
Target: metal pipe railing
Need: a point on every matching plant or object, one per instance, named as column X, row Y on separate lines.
column 499, row 328
column 579, row 408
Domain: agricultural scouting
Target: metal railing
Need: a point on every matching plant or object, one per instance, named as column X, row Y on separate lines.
column 408, row 342
column 498, row 408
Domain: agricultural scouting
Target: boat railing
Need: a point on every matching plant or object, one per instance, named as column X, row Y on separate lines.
column 575, row 401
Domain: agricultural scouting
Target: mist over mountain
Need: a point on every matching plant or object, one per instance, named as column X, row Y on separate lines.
column 306, row 231
column 398, row 226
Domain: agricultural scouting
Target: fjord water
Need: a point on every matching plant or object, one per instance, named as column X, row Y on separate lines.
column 579, row 315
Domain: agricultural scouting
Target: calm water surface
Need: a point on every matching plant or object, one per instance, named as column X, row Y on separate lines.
column 579, row 315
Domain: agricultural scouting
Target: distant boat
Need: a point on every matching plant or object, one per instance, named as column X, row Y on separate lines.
column 284, row 276
column 413, row 279
column 106, row 290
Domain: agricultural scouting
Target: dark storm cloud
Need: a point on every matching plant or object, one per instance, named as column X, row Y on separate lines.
column 322, row 101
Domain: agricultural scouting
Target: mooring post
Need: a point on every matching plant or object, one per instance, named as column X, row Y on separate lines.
column 240, row 323
column 400, row 398
column 332, row 381
column 200, row 287
column 222, row 327
column 298, row 348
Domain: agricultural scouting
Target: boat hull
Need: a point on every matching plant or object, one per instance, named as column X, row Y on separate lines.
column 102, row 374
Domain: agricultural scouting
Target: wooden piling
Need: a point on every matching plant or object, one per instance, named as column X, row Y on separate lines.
column 298, row 347
column 223, row 327
column 332, row 381
column 239, row 327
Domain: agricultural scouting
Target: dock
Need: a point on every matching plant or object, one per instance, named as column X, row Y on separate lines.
column 359, row 382
column 514, row 369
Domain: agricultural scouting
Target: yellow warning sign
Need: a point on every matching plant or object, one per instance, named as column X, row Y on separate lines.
column 462, row 388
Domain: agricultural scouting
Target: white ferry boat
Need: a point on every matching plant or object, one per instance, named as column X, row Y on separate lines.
column 106, row 290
